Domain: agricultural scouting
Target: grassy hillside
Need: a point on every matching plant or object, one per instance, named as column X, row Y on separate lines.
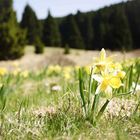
column 45, row 103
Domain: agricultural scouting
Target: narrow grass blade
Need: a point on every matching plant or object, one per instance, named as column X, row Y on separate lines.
column 19, row 112
column 130, row 77
column 81, row 85
column 4, row 104
column 94, row 107
column 136, row 83
column 102, row 110
column 2, row 92
column 127, row 80
column 90, row 87
column 122, row 94
column 137, row 107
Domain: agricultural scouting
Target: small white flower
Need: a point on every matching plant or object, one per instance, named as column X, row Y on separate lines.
column 56, row 88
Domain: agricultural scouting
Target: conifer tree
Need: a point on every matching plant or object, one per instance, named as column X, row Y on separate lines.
column 80, row 21
column 51, row 33
column 132, row 9
column 121, row 35
column 88, row 35
column 39, row 46
column 71, row 33
column 99, row 31
column 11, row 36
column 30, row 23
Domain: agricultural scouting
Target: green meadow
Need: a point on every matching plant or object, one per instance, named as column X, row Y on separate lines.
column 47, row 104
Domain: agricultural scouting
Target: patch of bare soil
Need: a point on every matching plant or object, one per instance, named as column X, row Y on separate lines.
column 53, row 56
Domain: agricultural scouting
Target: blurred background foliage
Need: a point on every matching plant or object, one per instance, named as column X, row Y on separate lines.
column 116, row 27
column 12, row 37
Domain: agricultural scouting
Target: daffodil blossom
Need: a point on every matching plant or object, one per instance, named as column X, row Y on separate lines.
column 3, row 71
column 107, row 73
column 108, row 81
column 102, row 62
column 108, row 76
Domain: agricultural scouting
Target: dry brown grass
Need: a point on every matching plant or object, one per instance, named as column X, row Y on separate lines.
column 53, row 56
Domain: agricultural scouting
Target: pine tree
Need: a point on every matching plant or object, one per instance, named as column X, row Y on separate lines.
column 120, row 37
column 80, row 21
column 71, row 33
column 39, row 46
column 11, row 36
column 99, row 31
column 88, row 34
column 31, row 24
column 51, row 33
column 132, row 9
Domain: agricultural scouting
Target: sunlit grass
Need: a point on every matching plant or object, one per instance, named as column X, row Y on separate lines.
column 45, row 104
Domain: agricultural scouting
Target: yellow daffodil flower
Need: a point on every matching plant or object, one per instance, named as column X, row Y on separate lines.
column 54, row 69
column 108, row 81
column 67, row 76
column 3, row 71
column 16, row 71
column 67, row 72
column 108, row 74
column 121, row 74
column 103, row 61
column 24, row 74
column 67, row 69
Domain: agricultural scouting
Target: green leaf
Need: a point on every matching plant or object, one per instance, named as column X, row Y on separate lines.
column 94, row 107
column 130, row 77
column 121, row 94
column 81, row 87
column 102, row 110
column 90, row 87
column 136, row 83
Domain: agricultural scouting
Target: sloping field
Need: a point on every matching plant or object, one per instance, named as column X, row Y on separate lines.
column 70, row 103
column 53, row 56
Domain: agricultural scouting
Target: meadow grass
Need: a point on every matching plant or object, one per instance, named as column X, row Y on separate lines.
column 46, row 105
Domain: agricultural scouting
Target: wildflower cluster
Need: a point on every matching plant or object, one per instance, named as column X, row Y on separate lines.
column 15, row 70
column 105, row 78
column 108, row 74
column 57, row 70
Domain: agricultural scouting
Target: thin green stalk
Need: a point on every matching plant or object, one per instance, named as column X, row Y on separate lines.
column 102, row 110
column 137, row 107
column 136, row 83
column 130, row 77
column 19, row 112
column 94, row 107
column 90, row 87
column 81, row 85
column 127, row 81
column 122, row 94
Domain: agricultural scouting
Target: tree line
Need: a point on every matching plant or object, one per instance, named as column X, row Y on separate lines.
column 12, row 37
column 116, row 27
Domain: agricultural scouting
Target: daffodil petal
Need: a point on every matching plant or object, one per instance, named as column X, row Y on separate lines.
column 104, row 84
column 121, row 74
column 115, row 82
column 97, row 78
column 102, row 54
